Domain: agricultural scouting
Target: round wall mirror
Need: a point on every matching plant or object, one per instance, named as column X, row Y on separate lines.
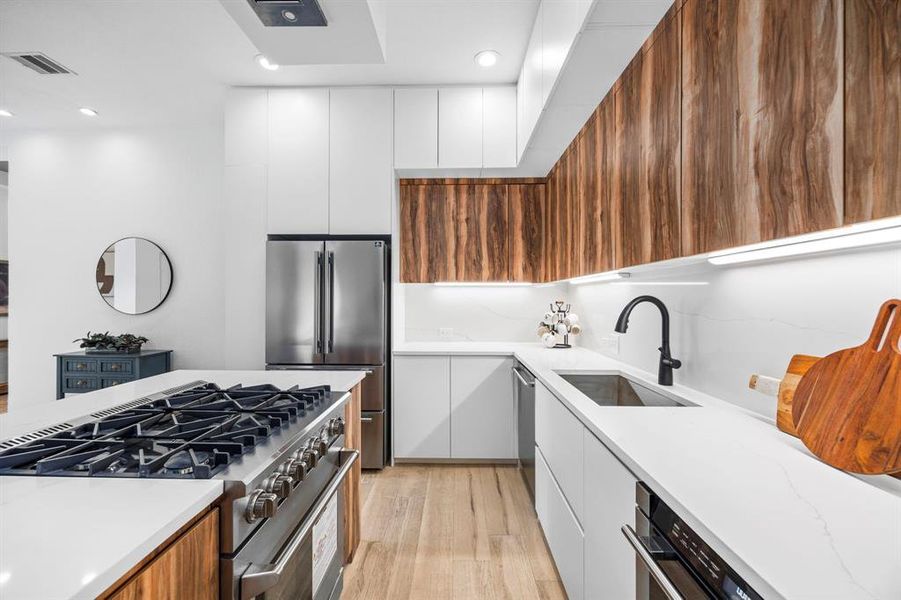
column 134, row 275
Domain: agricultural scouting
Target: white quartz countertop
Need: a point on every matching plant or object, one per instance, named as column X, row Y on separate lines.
column 73, row 537
column 792, row 526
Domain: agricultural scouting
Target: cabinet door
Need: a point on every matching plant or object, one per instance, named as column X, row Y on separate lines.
column 610, row 488
column 460, row 128
column 528, row 89
column 648, row 161
column 558, row 433
column 482, row 407
column 422, row 407
column 561, row 22
column 246, row 114
column 762, row 121
column 596, row 167
column 499, row 127
column 561, row 529
column 481, row 222
column 551, row 245
column 872, row 115
column 527, row 221
column 361, row 177
column 298, row 196
column 427, row 230
column 416, row 128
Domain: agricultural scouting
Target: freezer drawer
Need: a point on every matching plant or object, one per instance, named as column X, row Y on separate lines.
column 373, row 442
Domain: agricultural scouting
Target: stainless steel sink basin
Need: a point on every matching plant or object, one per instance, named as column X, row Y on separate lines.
column 613, row 390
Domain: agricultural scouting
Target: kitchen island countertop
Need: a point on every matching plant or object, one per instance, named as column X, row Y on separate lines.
column 73, row 537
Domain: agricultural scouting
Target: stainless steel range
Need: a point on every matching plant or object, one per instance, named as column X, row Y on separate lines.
column 280, row 453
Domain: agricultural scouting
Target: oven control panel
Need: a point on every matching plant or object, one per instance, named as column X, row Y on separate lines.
column 704, row 562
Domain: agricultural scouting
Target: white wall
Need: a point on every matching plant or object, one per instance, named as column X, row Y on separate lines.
column 481, row 314
column 748, row 319
column 74, row 193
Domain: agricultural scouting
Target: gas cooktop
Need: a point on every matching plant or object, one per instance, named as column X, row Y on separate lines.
column 193, row 433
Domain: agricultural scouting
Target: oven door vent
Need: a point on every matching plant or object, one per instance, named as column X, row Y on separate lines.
column 37, row 61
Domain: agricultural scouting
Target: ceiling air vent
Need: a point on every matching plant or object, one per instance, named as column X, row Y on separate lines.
column 289, row 13
column 39, row 62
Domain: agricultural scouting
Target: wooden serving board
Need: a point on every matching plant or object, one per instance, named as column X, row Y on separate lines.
column 847, row 407
column 784, row 389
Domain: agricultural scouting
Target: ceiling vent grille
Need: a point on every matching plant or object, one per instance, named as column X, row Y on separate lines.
column 289, row 13
column 41, row 63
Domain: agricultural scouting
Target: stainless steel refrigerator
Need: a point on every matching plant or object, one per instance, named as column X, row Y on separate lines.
column 327, row 308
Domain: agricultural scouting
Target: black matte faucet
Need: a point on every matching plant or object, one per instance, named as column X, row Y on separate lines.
column 667, row 362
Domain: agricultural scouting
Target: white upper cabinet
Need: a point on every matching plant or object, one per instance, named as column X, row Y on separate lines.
column 528, row 89
column 246, row 130
column 460, row 128
column 360, row 175
column 482, row 407
column 298, row 155
column 416, row 128
column 499, row 127
column 561, row 21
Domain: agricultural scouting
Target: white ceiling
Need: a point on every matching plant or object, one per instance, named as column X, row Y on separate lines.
column 150, row 62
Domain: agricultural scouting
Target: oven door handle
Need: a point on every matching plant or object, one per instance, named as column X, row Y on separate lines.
column 653, row 568
column 259, row 578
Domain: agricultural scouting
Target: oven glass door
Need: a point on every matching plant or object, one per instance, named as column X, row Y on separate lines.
column 310, row 564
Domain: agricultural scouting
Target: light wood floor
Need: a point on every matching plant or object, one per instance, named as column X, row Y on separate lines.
column 3, row 403
column 450, row 533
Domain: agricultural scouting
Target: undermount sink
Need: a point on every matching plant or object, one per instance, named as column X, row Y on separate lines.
column 613, row 390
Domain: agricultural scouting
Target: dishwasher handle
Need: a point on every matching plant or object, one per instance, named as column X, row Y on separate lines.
column 653, row 568
column 518, row 372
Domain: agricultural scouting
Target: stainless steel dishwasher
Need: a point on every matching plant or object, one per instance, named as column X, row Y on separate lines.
column 525, row 424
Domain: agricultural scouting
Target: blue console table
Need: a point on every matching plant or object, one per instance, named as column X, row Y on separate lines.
column 79, row 372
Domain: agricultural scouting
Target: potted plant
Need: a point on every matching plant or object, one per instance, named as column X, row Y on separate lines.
column 104, row 343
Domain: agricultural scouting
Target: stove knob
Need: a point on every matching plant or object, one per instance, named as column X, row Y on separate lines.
column 322, row 444
column 311, row 453
column 279, row 484
column 293, row 468
column 260, row 505
column 336, row 426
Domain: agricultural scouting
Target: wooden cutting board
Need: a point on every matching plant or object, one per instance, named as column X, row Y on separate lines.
column 847, row 407
column 784, row 389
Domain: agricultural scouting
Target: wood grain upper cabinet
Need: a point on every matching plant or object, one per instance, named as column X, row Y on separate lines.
column 551, row 243
column 527, row 220
column 361, row 177
column 427, row 234
column 481, row 232
column 416, row 128
column 872, row 101
column 298, row 151
column 761, row 121
column 647, row 152
column 596, row 168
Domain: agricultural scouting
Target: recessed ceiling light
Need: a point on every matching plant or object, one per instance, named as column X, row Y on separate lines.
column 266, row 63
column 487, row 58
column 5, row 113
column 88, row 112
column 289, row 15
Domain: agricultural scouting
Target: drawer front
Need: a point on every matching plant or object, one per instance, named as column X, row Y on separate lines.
column 79, row 365
column 565, row 537
column 82, row 384
column 559, row 435
column 110, row 381
column 116, row 366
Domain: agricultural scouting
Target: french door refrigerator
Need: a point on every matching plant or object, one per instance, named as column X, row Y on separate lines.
column 327, row 308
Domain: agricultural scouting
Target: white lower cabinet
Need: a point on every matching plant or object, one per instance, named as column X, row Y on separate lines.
column 454, row 407
column 482, row 407
column 562, row 531
column 421, row 407
column 559, row 435
column 609, row 504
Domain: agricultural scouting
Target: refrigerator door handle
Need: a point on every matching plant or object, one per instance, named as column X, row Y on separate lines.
column 317, row 305
column 331, row 303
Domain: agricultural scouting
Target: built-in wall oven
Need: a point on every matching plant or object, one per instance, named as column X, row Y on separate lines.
column 673, row 562
column 525, row 424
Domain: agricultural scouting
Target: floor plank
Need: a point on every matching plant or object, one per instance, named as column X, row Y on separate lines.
column 450, row 532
